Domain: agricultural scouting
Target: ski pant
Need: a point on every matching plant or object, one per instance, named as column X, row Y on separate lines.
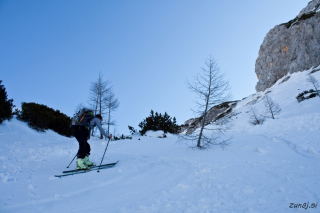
column 82, row 134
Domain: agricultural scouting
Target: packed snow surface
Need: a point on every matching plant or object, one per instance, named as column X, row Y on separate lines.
column 266, row 168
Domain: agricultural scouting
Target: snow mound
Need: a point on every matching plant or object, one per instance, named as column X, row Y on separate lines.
column 157, row 134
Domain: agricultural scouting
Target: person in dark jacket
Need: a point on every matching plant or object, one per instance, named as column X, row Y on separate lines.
column 82, row 134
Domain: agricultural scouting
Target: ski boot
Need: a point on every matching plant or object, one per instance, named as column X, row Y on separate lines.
column 87, row 162
column 81, row 164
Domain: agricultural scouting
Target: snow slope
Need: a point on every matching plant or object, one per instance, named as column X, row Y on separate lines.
column 265, row 169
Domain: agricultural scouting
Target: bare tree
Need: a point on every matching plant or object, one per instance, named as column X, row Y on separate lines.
column 314, row 82
column 255, row 118
column 271, row 107
column 211, row 89
column 99, row 92
column 111, row 104
column 79, row 107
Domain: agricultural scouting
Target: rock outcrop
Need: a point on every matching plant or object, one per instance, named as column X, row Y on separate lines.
column 214, row 114
column 290, row 47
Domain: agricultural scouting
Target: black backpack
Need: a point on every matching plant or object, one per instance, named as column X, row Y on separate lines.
column 83, row 117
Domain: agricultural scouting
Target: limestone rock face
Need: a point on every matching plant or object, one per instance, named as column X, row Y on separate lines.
column 290, row 47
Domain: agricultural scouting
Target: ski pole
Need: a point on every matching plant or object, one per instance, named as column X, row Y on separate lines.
column 72, row 160
column 104, row 154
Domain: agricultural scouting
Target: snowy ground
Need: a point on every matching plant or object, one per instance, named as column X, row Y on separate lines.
column 265, row 169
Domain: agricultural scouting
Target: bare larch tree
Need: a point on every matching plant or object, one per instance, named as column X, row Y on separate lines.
column 79, row 107
column 112, row 104
column 271, row 107
column 255, row 118
column 314, row 82
column 211, row 89
column 99, row 93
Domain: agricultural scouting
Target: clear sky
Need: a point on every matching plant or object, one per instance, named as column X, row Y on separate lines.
column 51, row 51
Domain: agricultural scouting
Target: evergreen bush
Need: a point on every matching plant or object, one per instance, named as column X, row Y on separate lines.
column 41, row 118
column 157, row 121
column 6, row 105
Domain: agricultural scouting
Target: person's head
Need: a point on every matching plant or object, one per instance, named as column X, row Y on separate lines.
column 99, row 117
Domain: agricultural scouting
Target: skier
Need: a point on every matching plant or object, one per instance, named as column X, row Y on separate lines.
column 82, row 134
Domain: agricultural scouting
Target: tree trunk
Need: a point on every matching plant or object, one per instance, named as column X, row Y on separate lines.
column 109, row 117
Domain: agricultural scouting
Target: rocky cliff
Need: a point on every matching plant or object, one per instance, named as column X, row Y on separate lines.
column 290, row 47
column 214, row 114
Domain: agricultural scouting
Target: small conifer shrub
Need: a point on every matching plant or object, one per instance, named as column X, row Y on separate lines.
column 6, row 105
column 156, row 121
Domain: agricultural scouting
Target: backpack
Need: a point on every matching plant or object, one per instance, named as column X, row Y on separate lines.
column 82, row 117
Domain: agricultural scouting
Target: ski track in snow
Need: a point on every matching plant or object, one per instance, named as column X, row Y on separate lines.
column 147, row 181
column 265, row 168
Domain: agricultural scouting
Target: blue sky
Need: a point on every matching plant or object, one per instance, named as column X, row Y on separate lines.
column 51, row 51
